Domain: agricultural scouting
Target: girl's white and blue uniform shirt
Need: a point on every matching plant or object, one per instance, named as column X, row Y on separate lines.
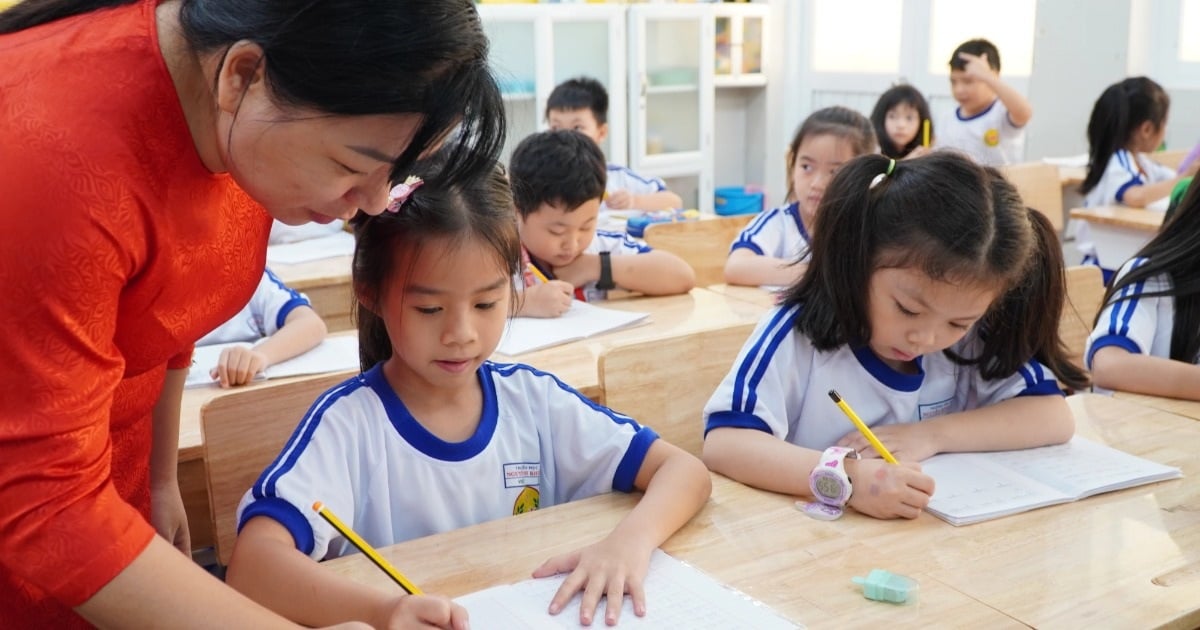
column 360, row 451
column 1125, row 170
column 263, row 315
column 1139, row 323
column 778, row 232
column 780, row 383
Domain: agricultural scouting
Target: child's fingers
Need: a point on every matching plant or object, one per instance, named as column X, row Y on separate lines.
column 614, row 599
column 638, row 593
column 566, row 591
column 558, row 564
column 591, row 600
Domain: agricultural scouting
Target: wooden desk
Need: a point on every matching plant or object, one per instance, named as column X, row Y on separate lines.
column 1119, row 232
column 755, row 295
column 1177, row 406
column 327, row 284
column 577, row 363
column 1124, row 559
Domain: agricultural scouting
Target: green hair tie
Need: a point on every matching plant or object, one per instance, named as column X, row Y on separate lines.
column 891, row 166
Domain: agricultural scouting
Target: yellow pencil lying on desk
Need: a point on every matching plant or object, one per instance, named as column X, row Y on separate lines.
column 862, row 427
column 367, row 549
column 537, row 273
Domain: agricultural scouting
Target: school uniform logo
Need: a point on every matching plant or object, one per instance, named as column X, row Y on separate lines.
column 524, row 475
column 991, row 137
column 528, row 501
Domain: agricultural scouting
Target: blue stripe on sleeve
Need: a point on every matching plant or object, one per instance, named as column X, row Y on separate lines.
column 1119, row 341
column 292, row 304
column 737, row 420
column 285, row 514
column 784, row 316
column 631, row 461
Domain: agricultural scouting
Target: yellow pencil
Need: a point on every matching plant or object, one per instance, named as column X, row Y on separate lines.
column 862, row 427
column 925, row 133
column 537, row 272
column 367, row 550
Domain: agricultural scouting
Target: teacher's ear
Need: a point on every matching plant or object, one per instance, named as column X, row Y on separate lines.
column 242, row 69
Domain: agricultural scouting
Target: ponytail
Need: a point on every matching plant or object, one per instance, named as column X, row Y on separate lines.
column 1119, row 111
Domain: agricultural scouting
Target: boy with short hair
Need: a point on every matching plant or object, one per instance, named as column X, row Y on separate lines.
column 581, row 104
column 558, row 180
column 989, row 123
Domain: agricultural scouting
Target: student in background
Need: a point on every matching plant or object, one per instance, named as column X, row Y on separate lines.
column 433, row 436
column 281, row 322
column 581, row 104
column 146, row 146
column 772, row 248
column 1147, row 336
column 989, row 123
column 557, row 182
column 900, row 117
column 929, row 304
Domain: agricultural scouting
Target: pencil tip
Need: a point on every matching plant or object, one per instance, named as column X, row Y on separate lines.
column 834, row 395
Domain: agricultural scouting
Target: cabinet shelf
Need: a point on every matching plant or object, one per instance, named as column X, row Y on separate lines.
column 671, row 89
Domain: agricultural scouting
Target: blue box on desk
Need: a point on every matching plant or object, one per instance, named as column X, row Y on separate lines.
column 729, row 200
column 636, row 225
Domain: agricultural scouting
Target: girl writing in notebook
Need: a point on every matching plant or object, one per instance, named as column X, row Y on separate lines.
column 930, row 304
column 433, row 436
column 1147, row 336
column 768, row 250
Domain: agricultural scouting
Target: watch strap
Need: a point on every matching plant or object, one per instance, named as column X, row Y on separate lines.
column 605, row 283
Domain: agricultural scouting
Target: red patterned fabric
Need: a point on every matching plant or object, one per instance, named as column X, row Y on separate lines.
column 118, row 250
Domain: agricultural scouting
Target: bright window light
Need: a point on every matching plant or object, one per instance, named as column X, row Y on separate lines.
column 1189, row 27
column 1011, row 30
column 843, row 41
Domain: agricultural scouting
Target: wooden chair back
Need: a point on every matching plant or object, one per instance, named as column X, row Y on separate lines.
column 702, row 244
column 1085, row 290
column 243, row 433
column 1040, row 187
column 664, row 383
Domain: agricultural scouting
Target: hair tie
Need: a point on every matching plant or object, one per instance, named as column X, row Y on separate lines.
column 884, row 175
column 400, row 192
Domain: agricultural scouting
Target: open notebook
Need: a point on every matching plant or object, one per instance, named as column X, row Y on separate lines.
column 677, row 596
column 337, row 244
column 335, row 354
column 582, row 320
column 973, row 487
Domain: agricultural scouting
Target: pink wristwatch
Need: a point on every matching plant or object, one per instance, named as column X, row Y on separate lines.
column 829, row 482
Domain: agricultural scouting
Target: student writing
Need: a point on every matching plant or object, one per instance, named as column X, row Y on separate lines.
column 433, row 436
column 557, row 182
column 929, row 302
column 772, row 248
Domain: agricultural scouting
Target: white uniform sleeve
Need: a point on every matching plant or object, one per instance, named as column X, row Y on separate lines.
column 1130, row 319
column 592, row 449
column 1031, row 379
column 1156, row 172
column 764, row 235
column 621, row 178
column 759, row 390
column 274, row 301
column 617, row 244
column 318, row 463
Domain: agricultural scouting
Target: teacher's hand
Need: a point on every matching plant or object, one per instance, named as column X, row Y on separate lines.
column 168, row 516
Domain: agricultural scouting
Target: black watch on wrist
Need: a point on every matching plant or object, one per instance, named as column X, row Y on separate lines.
column 605, row 283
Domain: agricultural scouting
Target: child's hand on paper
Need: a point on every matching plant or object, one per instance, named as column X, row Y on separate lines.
column 238, row 365
column 424, row 611
column 609, row 568
column 911, row 442
column 547, row 299
column 884, row 490
column 619, row 200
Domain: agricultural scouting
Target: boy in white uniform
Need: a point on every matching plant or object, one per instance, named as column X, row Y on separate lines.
column 557, row 180
column 581, row 104
column 989, row 122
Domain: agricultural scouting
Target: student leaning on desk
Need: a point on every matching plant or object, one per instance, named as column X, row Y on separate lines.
column 433, row 436
column 557, row 182
column 146, row 148
column 943, row 344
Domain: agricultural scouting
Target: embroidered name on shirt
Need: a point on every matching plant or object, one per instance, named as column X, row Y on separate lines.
column 932, row 410
column 520, row 474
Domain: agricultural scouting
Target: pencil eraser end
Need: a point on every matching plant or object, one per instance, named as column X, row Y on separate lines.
column 317, row 506
column 885, row 586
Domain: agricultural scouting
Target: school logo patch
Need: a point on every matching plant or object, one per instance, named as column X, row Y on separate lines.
column 991, row 137
column 527, row 501
column 518, row 474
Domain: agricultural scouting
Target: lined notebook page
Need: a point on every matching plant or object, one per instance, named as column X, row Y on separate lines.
column 582, row 320
column 973, row 487
column 677, row 596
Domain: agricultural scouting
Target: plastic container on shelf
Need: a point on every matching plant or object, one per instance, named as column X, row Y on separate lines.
column 730, row 200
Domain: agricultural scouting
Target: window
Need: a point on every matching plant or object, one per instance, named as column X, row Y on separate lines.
column 845, row 42
column 1008, row 25
column 1189, row 26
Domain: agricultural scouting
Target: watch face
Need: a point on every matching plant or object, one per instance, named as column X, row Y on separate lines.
column 829, row 487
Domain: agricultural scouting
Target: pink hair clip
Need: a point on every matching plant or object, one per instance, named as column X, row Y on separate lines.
column 400, row 192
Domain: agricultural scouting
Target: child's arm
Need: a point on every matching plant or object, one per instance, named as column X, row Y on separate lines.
column 302, row 331
column 267, row 567
column 1019, row 109
column 545, row 299
column 748, row 268
column 660, row 200
column 676, row 486
column 759, row 459
column 654, row 272
column 1146, row 194
column 1114, row 367
column 1016, row 423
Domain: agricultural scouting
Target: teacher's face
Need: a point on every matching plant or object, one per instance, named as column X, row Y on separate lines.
column 307, row 166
